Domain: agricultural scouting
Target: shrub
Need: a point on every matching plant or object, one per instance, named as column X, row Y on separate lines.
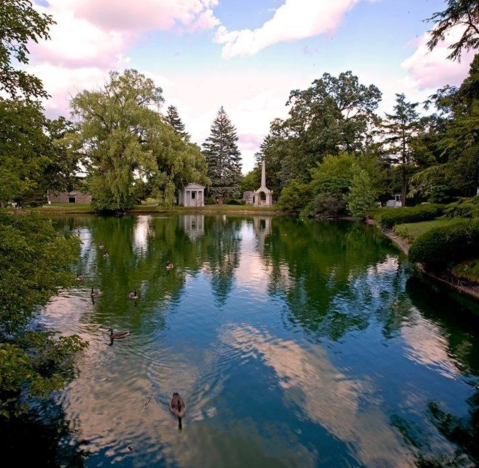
column 295, row 197
column 465, row 208
column 210, row 201
column 414, row 214
column 361, row 195
column 441, row 247
column 232, row 201
column 327, row 205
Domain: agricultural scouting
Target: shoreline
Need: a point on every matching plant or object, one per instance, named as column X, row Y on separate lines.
column 404, row 246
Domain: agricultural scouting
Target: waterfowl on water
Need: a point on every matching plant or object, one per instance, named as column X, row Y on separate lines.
column 95, row 292
column 133, row 295
column 106, row 255
column 169, row 265
column 101, row 247
column 178, row 407
column 79, row 277
column 118, row 335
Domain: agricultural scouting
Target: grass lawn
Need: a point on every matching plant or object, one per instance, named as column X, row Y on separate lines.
column 411, row 231
column 151, row 206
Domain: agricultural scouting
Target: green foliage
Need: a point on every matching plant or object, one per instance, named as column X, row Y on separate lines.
column 361, row 197
column 34, row 261
column 295, row 197
column 333, row 175
column 210, row 201
column 20, row 24
column 465, row 208
column 234, row 202
column 416, row 214
column 412, row 231
column 173, row 118
column 223, row 158
column 329, row 206
column 251, row 181
column 130, row 152
column 444, row 246
column 468, row 270
column 461, row 13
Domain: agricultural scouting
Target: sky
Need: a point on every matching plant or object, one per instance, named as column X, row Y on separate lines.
column 244, row 55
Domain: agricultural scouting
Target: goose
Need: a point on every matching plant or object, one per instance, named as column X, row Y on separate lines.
column 79, row 277
column 95, row 292
column 178, row 407
column 118, row 335
column 169, row 265
column 133, row 295
column 106, row 255
column 101, row 246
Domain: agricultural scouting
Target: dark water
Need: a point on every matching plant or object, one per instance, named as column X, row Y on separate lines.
column 294, row 345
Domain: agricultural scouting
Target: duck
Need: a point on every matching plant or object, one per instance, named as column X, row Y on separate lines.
column 118, row 335
column 106, row 255
column 101, row 246
column 133, row 295
column 95, row 292
column 169, row 265
column 79, row 277
column 178, row 407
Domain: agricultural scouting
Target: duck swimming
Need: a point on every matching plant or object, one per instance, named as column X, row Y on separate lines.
column 106, row 255
column 133, row 295
column 79, row 277
column 101, row 246
column 118, row 335
column 95, row 292
column 169, row 266
column 178, row 407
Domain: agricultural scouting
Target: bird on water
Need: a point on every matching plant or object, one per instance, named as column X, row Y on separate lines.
column 178, row 408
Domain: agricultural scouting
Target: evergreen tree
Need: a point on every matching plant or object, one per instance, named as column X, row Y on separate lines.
column 400, row 130
column 223, row 158
column 173, row 118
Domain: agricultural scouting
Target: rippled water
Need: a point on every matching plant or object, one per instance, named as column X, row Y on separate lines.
column 294, row 345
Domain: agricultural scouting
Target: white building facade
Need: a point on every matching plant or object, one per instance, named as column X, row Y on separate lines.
column 192, row 195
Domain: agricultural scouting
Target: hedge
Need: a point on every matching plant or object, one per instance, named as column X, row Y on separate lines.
column 415, row 214
column 445, row 246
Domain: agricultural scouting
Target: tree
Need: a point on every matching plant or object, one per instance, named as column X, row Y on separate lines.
column 20, row 23
column 223, row 158
column 361, row 195
column 173, row 118
column 129, row 151
column 335, row 114
column 463, row 13
column 399, row 130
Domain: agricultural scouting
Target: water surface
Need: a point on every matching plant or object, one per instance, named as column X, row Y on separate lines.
column 294, row 344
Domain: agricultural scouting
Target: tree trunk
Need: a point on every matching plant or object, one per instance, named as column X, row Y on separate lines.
column 403, row 188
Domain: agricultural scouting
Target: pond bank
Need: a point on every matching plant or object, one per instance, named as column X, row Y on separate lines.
column 469, row 288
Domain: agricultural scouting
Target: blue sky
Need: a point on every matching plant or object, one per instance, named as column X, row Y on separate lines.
column 245, row 55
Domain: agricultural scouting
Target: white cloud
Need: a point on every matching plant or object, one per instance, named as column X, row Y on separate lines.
column 432, row 69
column 296, row 19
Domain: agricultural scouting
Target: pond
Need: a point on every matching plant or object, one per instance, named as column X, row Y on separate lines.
column 293, row 344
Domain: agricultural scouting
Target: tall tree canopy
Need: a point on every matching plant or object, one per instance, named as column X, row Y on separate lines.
column 223, row 158
column 459, row 13
column 130, row 152
column 20, row 23
column 335, row 114
column 173, row 118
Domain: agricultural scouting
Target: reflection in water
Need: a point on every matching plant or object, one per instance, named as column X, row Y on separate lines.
column 293, row 344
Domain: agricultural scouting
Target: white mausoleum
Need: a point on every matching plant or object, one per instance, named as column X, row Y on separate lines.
column 263, row 196
column 192, row 195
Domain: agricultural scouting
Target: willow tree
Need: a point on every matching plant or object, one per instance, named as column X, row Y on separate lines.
column 129, row 151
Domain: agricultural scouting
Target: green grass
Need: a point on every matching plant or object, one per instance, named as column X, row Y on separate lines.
column 467, row 270
column 151, row 206
column 411, row 231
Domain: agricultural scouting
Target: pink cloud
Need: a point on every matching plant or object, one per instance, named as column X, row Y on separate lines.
column 432, row 69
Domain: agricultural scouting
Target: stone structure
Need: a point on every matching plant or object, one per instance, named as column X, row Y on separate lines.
column 193, row 225
column 192, row 195
column 248, row 197
column 69, row 197
column 396, row 203
column 263, row 196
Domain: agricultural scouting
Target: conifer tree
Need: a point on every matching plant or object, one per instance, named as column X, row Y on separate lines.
column 173, row 118
column 223, row 158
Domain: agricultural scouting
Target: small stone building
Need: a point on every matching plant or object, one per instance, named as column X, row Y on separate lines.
column 69, row 197
column 192, row 195
column 263, row 196
column 248, row 197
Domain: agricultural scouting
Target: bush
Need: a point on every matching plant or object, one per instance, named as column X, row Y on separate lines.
column 327, row 206
column 233, row 202
column 415, row 214
column 210, row 201
column 465, row 208
column 444, row 246
column 295, row 197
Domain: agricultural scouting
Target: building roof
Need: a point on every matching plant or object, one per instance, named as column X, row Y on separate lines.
column 194, row 186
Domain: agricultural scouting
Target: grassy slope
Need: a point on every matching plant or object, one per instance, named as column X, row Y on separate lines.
column 411, row 231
